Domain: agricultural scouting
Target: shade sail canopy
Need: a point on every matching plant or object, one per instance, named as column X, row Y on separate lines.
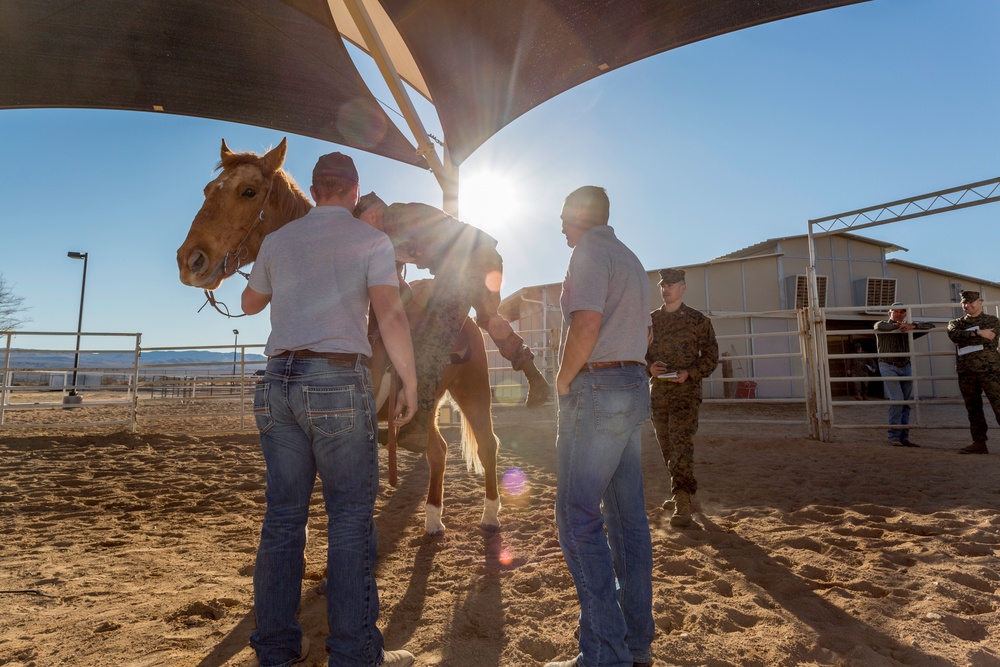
column 488, row 62
column 266, row 62
column 282, row 64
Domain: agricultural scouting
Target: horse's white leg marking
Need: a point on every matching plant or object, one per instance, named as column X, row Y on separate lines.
column 432, row 520
column 491, row 510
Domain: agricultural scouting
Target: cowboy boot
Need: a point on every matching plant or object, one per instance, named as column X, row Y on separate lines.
column 539, row 391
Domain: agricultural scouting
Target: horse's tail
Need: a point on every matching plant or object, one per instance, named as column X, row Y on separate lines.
column 470, row 446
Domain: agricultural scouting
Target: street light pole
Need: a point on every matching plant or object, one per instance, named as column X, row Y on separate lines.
column 79, row 323
column 236, row 333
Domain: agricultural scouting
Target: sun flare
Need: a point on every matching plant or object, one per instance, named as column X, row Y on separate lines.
column 488, row 200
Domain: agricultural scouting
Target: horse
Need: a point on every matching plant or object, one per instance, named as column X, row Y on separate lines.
column 253, row 196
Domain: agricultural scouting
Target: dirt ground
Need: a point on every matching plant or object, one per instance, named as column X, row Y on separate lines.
column 138, row 551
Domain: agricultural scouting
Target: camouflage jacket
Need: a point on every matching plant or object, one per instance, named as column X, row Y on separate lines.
column 962, row 333
column 684, row 340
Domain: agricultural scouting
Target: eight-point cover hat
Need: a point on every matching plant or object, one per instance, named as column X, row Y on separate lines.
column 897, row 306
column 365, row 202
column 969, row 295
column 671, row 276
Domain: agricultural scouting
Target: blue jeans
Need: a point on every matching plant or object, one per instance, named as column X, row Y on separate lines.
column 315, row 417
column 896, row 390
column 599, row 488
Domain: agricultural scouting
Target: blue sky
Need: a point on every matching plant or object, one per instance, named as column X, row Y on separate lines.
column 704, row 150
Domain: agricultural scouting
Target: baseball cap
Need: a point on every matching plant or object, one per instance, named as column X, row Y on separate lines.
column 335, row 165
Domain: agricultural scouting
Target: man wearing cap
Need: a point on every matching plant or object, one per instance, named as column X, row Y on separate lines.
column 684, row 347
column 978, row 365
column 313, row 407
column 467, row 273
column 893, row 340
column 603, row 404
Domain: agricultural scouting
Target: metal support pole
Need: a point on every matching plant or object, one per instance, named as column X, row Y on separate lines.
column 79, row 323
column 236, row 333
column 445, row 172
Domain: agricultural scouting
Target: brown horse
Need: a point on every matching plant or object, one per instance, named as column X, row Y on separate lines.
column 251, row 197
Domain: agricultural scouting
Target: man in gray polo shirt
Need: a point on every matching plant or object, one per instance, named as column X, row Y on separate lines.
column 313, row 407
column 603, row 405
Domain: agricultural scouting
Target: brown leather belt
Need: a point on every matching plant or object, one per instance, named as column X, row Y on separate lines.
column 897, row 361
column 335, row 358
column 613, row 364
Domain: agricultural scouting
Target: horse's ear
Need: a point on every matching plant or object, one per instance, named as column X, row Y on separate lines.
column 225, row 152
column 274, row 158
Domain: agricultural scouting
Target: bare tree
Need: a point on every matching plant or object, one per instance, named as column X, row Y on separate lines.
column 11, row 308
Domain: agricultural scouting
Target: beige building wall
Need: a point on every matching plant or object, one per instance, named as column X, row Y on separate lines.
column 759, row 284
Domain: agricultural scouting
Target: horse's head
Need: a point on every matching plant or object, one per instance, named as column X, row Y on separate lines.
column 227, row 231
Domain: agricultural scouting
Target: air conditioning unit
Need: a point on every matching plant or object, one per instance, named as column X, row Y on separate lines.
column 797, row 291
column 875, row 294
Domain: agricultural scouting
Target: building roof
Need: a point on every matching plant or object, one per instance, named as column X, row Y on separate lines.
column 962, row 276
column 770, row 246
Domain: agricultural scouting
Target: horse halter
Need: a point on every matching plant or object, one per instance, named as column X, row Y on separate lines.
column 236, row 255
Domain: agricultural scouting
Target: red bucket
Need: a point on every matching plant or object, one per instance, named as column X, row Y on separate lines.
column 746, row 389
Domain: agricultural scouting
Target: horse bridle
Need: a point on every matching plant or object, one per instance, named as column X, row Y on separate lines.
column 236, row 255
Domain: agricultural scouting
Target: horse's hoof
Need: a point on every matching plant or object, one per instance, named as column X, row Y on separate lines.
column 433, row 525
column 491, row 520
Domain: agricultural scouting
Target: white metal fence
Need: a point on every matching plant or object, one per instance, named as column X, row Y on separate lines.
column 115, row 387
column 777, row 357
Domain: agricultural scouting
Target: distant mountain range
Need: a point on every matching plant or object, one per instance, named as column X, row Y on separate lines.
column 173, row 359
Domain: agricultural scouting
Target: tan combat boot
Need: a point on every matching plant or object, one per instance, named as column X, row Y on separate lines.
column 539, row 391
column 681, row 518
column 978, row 447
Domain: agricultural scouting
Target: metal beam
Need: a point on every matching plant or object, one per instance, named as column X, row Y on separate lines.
column 445, row 172
column 942, row 201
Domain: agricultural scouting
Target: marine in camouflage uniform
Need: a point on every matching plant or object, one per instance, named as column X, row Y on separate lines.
column 978, row 365
column 683, row 342
column 467, row 272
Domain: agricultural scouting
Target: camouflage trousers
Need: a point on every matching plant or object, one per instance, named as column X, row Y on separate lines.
column 674, row 413
column 434, row 337
column 973, row 383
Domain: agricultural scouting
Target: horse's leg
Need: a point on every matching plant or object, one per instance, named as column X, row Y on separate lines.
column 437, row 455
column 471, row 391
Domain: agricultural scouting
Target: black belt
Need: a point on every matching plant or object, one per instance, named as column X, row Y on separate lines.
column 613, row 364
column 897, row 361
column 335, row 358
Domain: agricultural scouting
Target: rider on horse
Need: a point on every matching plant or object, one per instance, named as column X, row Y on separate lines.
column 467, row 272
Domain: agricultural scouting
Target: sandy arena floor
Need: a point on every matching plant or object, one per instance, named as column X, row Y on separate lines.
column 138, row 551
